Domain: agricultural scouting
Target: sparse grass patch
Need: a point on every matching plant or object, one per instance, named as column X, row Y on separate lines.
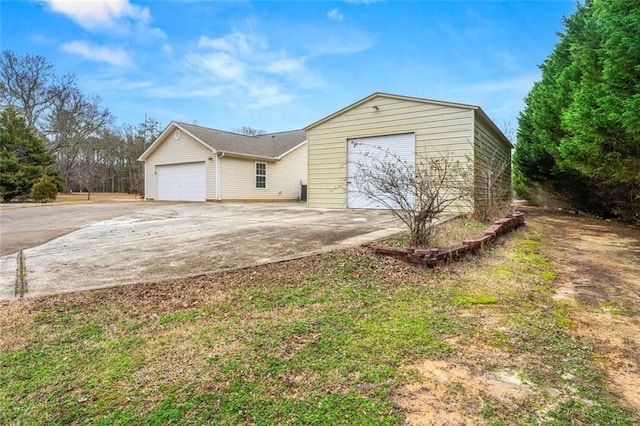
column 453, row 232
column 538, row 328
column 448, row 234
column 476, row 299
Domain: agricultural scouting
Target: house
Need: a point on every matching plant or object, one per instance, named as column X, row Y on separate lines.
column 194, row 163
column 411, row 128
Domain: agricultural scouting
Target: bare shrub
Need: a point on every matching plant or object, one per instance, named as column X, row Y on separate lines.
column 415, row 193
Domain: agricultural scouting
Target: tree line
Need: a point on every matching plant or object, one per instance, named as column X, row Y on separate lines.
column 579, row 134
column 53, row 134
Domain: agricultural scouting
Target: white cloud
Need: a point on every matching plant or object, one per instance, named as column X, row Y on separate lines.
column 335, row 15
column 267, row 95
column 108, row 81
column 220, row 64
column 245, row 63
column 113, row 56
column 342, row 40
column 184, row 90
column 286, row 65
column 97, row 13
column 119, row 16
column 167, row 48
column 246, row 52
column 235, row 43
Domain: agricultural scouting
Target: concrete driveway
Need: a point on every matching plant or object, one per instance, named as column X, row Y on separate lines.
column 28, row 225
column 155, row 242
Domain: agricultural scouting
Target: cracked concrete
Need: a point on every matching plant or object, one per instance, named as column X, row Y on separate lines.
column 165, row 241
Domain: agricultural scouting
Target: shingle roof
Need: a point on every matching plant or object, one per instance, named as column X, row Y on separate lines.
column 271, row 145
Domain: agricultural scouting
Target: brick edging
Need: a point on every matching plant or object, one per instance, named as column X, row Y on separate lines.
column 435, row 256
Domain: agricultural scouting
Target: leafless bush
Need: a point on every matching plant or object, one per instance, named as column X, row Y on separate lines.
column 415, row 193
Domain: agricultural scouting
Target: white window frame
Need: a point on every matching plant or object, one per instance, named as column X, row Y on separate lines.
column 260, row 175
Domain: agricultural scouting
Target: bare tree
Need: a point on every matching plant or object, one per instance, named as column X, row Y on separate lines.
column 249, row 131
column 71, row 123
column 90, row 152
column 89, row 169
column 492, row 184
column 415, row 193
column 509, row 131
column 136, row 140
column 53, row 106
column 29, row 85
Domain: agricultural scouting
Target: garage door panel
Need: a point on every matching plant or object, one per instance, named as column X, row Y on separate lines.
column 181, row 182
column 363, row 152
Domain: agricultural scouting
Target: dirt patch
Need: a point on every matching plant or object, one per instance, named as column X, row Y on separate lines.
column 456, row 392
column 598, row 264
column 599, row 272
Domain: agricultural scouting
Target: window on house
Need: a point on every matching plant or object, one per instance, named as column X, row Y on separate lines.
column 261, row 175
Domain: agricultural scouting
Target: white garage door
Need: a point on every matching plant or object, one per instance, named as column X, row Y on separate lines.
column 181, row 182
column 362, row 152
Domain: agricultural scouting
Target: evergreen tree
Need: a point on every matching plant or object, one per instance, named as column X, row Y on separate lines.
column 23, row 157
column 579, row 134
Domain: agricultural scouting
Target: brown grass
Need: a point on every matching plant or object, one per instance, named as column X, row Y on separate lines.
column 81, row 197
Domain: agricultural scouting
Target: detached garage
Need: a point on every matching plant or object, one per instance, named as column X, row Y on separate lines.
column 194, row 163
column 407, row 127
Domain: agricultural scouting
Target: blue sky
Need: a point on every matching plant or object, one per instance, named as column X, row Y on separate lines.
column 284, row 65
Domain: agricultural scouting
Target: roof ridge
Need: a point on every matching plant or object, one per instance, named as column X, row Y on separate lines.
column 238, row 134
column 282, row 131
column 217, row 130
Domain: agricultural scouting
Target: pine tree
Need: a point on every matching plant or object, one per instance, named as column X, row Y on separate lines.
column 23, row 157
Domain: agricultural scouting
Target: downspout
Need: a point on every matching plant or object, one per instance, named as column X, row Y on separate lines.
column 217, row 178
column 144, row 181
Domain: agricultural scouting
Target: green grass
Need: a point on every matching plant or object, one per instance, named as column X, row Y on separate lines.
column 322, row 340
column 475, row 299
column 294, row 352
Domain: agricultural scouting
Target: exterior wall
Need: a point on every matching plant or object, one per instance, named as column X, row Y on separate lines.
column 439, row 130
column 238, row 178
column 183, row 150
column 492, row 165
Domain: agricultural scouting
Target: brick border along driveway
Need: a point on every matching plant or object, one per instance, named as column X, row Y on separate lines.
column 171, row 241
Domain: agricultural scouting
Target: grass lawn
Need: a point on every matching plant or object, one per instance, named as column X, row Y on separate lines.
column 342, row 338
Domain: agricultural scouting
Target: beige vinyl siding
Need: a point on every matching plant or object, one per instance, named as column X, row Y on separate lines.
column 179, row 151
column 238, row 177
column 439, row 130
column 492, row 161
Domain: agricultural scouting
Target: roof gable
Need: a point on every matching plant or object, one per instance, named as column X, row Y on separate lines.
column 268, row 146
column 389, row 96
column 375, row 95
